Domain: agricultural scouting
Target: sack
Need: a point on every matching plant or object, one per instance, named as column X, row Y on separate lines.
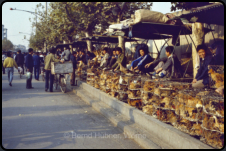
column 144, row 15
column 28, row 75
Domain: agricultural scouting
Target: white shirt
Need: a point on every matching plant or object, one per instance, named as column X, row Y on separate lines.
column 104, row 60
column 3, row 57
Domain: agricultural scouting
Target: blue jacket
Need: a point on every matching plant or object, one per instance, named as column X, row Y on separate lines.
column 142, row 61
column 36, row 60
column 203, row 70
column 29, row 63
column 74, row 62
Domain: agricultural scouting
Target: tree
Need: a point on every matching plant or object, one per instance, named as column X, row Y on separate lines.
column 6, row 45
column 186, row 5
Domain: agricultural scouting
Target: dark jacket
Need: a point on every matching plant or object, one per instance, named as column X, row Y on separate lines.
column 122, row 60
column 137, row 53
column 92, row 55
column 203, row 70
column 36, row 60
column 82, row 58
column 29, row 63
column 19, row 59
column 142, row 61
column 74, row 62
column 168, row 62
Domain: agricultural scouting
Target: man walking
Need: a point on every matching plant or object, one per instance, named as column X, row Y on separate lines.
column 36, row 59
column 29, row 63
column 20, row 60
column 74, row 62
column 50, row 77
column 3, row 58
column 9, row 63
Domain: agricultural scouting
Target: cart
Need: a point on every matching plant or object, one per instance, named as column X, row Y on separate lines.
column 61, row 74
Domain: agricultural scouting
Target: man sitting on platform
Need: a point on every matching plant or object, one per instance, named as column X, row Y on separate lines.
column 121, row 59
column 144, row 58
column 202, row 77
column 164, row 66
column 105, row 59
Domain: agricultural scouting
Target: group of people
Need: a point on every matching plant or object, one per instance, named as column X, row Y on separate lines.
column 163, row 67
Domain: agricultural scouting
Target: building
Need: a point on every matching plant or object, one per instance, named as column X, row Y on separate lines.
column 4, row 32
column 21, row 47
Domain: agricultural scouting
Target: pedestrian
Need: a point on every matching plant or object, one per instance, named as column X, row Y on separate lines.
column 29, row 63
column 74, row 62
column 49, row 76
column 20, row 60
column 3, row 58
column 36, row 60
column 66, row 54
column 9, row 63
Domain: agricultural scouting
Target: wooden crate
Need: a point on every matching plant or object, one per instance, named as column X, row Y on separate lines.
column 60, row 68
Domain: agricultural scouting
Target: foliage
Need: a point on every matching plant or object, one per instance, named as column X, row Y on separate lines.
column 6, row 45
column 67, row 19
column 186, row 5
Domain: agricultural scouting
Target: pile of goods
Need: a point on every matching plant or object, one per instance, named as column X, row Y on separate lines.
column 134, row 92
column 197, row 112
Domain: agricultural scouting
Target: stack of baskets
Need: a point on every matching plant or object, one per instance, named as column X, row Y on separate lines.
column 134, row 92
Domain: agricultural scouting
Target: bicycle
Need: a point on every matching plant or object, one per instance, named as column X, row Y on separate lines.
column 62, row 81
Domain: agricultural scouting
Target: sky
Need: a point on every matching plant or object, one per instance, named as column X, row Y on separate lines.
column 18, row 21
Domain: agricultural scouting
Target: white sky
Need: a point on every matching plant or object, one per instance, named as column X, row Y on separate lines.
column 18, row 21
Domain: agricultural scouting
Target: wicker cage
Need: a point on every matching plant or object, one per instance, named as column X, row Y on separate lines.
column 216, row 76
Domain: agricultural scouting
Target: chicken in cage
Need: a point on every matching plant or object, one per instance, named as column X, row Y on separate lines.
column 216, row 76
column 213, row 138
column 122, row 96
column 149, row 109
column 134, row 93
column 135, row 102
column 135, row 82
column 122, row 87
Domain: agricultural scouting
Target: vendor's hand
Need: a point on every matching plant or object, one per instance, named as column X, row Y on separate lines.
column 194, row 81
column 148, row 65
column 62, row 61
column 115, row 69
column 131, row 68
column 135, row 68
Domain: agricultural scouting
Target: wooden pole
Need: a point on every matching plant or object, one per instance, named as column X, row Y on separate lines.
column 198, row 37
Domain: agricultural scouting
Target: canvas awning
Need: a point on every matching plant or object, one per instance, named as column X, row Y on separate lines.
column 210, row 14
column 74, row 44
column 112, row 39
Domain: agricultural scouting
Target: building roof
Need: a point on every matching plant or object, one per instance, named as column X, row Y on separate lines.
column 210, row 14
column 112, row 39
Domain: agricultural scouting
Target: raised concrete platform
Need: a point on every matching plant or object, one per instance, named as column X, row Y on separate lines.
column 158, row 134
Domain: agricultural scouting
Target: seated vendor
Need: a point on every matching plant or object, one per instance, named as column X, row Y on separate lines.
column 113, row 58
column 202, row 77
column 82, row 57
column 164, row 66
column 90, row 56
column 104, row 60
column 121, row 59
column 140, row 62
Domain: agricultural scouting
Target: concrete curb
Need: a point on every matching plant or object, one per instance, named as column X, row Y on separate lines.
column 169, row 134
column 127, row 126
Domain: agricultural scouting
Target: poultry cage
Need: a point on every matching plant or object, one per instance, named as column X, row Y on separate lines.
column 114, row 84
column 134, row 92
column 123, row 87
column 213, row 119
column 216, row 76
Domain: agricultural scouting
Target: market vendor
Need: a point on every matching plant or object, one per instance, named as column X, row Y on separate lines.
column 140, row 62
column 202, row 77
column 164, row 66
column 105, row 59
column 81, row 58
column 113, row 58
column 90, row 56
column 121, row 59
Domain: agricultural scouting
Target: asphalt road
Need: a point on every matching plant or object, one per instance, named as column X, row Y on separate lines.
column 35, row 119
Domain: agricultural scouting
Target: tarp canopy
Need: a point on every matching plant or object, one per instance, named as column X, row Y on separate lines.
column 147, row 30
column 74, row 44
column 210, row 14
column 106, row 39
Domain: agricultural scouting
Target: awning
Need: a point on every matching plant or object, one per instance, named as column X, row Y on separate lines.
column 106, row 39
column 74, row 44
column 210, row 14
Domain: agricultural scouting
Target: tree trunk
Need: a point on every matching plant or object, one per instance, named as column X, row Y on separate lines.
column 89, row 43
column 121, row 38
column 198, row 36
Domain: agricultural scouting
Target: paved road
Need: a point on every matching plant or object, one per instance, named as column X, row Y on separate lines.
column 35, row 119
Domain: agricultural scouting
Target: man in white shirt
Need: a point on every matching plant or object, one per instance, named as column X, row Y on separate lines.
column 3, row 58
column 104, row 60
